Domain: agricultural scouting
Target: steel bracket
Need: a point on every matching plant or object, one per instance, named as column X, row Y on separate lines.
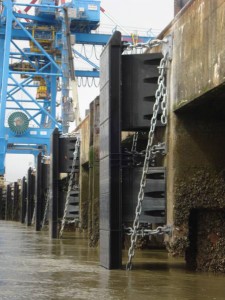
column 167, row 46
column 161, row 147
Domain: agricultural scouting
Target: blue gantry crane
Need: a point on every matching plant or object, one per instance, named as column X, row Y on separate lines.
column 36, row 68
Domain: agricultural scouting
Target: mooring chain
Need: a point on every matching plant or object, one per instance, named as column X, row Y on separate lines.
column 33, row 216
column 46, row 209
column 160, row 148
column 160, row 96
column 164, row 94
column 75, row 156
column 149, row 44
column 160, row 230
column 134, row 143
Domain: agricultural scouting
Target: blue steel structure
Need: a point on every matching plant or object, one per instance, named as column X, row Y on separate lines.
column 35, row 54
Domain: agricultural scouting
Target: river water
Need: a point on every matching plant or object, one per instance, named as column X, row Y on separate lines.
column 34, row 267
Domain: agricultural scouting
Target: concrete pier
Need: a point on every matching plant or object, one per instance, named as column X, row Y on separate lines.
column 196, row 145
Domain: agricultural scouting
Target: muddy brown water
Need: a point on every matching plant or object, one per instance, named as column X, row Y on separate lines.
column 34, row 267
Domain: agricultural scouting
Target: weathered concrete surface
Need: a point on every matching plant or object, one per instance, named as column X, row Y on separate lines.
column 207, row 241
column 199, row 50
column 89, row 179
column 94, row 173
column 84, row 148
column 84, row 161
column 84, row 181
column 196, row 144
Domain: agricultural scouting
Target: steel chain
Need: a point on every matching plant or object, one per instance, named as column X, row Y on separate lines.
column 34, row 215
column 148, row 232
column 156, row 149
column 46, row 209
column 134, row 143
column 164, row 95
column 160, row 95
column 75, row 156
column 140, row 46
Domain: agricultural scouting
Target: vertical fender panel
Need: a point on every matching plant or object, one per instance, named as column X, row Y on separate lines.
column 110, row 159
column 38, row 194
column 23, row 200
column 30, row 196
column 15, row 202
column 8, row 204
column 1, row 204
column 54, row 182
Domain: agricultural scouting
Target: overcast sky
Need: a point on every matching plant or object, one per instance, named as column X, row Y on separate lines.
column 148, row 14
column 135, row 16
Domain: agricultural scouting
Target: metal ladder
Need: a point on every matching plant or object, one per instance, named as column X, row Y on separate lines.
column 71, row 210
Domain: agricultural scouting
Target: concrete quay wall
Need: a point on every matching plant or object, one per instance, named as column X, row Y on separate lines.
column 195, row 134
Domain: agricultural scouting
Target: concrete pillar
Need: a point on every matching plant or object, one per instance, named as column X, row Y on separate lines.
column 30, row 196
column 1, row 204
column 84, row 193
column 89, row 179
column 23, row 200
column 196, row 130
column 84, row 174
column 94, row 174
column 15, row 202
column 8, row 203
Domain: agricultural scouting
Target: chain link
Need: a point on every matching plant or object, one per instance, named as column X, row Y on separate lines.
column 148, row 44
column 134, row 144
column 160, row 148
column 46, row 209
column 160, row 95
column 75, row 156
column 34, row 215
column 140, row 46
column 149, row 232
column 164, row 94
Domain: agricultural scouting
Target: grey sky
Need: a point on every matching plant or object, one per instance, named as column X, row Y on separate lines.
column 148, row 14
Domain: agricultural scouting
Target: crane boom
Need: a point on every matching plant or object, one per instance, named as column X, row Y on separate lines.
column 32, row 70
